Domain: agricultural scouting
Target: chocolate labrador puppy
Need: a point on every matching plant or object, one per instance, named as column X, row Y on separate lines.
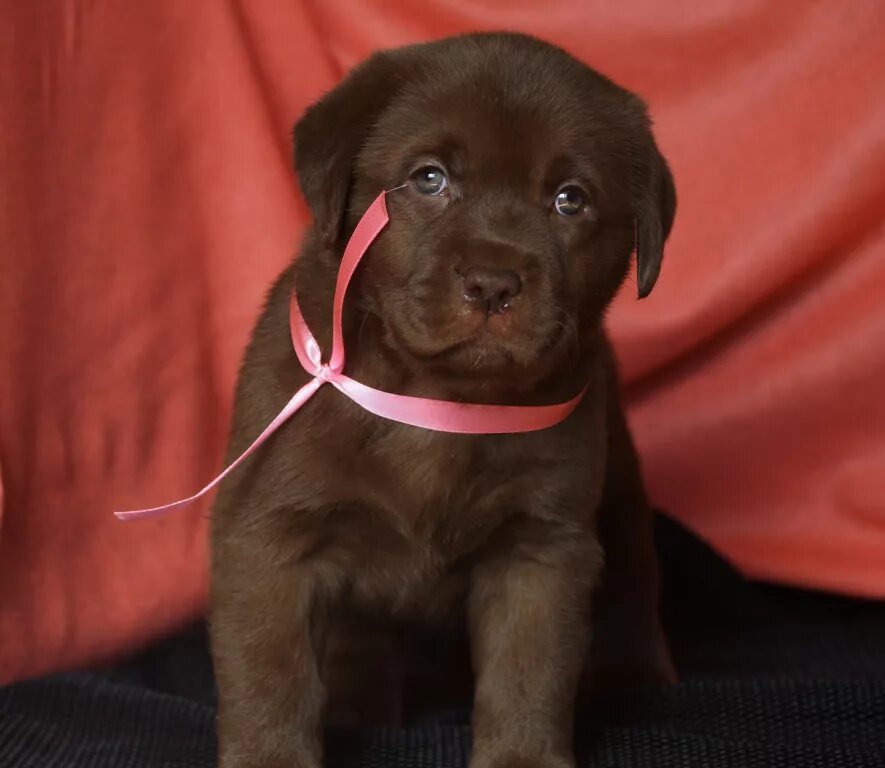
column 529, row 179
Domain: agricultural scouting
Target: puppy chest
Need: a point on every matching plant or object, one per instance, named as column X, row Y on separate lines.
column 412, row 472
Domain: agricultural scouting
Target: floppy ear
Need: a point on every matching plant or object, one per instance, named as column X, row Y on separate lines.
column 655, row 208
column 331, row 133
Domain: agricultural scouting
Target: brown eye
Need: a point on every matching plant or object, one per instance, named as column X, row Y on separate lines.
column 569, row 201
column 430, row 180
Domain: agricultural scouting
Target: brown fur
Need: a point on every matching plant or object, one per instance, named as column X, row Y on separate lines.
column 346, row 531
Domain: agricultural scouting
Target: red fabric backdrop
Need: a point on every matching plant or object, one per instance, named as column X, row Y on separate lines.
column 147, row 202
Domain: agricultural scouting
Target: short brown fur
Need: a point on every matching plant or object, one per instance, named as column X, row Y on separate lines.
column 346, row 531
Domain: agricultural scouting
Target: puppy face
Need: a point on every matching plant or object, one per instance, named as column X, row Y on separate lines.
column 526, row 178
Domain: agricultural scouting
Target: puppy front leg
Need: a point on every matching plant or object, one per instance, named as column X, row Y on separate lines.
column 629, row 647
column 264, row 623
column 528, row 614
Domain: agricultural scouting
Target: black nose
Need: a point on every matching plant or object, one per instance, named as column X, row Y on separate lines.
column 491, row 288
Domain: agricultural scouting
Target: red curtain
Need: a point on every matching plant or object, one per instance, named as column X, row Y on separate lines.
column 148, row 202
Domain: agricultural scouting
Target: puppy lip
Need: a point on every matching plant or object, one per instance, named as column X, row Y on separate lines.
column 499, row 324
column 488, row 344
column 498, row 337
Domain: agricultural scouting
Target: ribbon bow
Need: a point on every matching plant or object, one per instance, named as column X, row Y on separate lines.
column 438, row 415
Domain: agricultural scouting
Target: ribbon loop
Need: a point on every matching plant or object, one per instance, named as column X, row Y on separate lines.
column 439, row 415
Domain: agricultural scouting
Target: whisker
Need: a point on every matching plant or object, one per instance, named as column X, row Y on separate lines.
column 359, row 335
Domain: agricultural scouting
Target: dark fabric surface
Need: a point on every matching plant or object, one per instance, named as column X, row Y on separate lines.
column 771, row 678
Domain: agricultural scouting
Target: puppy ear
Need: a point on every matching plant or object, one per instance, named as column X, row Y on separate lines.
column 655, row 209
column 331, row 133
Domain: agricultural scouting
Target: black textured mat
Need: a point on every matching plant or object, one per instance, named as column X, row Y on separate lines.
column 772, row 678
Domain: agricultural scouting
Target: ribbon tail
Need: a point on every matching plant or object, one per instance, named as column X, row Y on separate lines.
column 299, row 399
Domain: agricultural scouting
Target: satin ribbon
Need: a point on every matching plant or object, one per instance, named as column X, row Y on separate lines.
column 438, row 415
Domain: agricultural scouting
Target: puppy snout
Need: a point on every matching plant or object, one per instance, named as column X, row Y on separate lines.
column 491, row 289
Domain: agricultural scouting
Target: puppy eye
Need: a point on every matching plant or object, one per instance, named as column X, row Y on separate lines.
column 569, row 201
column 430, row 180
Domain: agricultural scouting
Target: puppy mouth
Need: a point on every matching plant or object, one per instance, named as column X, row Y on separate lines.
column 494, row 345
column 499, row 328
column 481, row 356
column 477, row 343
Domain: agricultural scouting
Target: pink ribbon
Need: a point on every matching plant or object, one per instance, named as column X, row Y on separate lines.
column 438, row 415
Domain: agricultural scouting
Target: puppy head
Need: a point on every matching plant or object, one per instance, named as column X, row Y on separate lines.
column 529, row 180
